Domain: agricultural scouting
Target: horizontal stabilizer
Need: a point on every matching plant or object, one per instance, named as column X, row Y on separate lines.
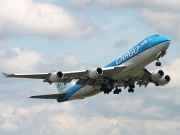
column 6, row 75
column 53, row 96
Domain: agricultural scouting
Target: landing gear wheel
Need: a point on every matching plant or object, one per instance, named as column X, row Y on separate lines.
column 114, row 92
column 117, row 91
column 105, row 89
column 158, row 63
column 131, row 90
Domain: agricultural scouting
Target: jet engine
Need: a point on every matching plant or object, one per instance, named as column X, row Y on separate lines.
column 95, row 73
column 164, row 80
column 157, row 75
column 56, row 76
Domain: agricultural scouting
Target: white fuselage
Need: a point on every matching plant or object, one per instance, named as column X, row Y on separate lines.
column 134, row 66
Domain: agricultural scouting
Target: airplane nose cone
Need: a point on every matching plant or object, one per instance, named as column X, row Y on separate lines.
column 161, row 39
column 163, row 42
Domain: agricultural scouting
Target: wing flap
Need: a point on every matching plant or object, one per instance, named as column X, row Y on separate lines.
column 53, row 96
column 111, row 71
column 89, row 82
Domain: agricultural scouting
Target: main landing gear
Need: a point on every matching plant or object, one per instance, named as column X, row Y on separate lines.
column 107, row 90
column 131, row 88
column 117, row 90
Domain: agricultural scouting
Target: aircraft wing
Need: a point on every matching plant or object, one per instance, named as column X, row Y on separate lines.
column 156, row 77
column 32, row 76
column 69, row 76
column 107, row 72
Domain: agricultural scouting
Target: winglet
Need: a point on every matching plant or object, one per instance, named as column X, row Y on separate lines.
column 6, row 75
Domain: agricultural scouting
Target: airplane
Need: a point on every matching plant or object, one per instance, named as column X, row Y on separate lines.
column 126, row 71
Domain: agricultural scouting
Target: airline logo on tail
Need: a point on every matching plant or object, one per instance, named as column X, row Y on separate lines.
column 61, row 86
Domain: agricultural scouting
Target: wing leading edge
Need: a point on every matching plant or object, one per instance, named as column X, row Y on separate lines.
column 69, row 76
column 31, row 76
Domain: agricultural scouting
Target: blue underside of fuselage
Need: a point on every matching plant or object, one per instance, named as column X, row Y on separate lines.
column 144, row 45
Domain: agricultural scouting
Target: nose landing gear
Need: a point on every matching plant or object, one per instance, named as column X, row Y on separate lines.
column 158, row 63
column 161, row 54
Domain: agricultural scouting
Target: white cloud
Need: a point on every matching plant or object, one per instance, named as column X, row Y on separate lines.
column 120, row 43
column 154, row 110
column 173, row 70
column 65, row 119
column 151, row 111
column 162, row 5
column 166, row 23
column 25, row 17
column 18, row 60
column 162, row 15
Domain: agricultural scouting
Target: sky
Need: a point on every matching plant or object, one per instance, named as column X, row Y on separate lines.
column 40, row 35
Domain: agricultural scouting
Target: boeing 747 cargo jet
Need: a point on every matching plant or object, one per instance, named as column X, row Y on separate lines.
column 126, row 71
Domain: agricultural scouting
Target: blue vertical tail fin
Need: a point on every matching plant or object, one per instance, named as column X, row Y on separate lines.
column 61, row 86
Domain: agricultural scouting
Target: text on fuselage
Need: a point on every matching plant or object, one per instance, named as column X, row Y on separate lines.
column 127, row 55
